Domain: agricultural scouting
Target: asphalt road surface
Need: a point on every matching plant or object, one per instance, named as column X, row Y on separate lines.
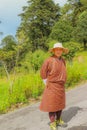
column 31, row 118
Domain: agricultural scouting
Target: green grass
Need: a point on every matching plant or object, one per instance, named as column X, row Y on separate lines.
column 77, row 71
column 24, row 87
column 27, row 86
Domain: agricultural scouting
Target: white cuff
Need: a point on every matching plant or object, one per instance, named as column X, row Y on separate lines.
column 44, row 81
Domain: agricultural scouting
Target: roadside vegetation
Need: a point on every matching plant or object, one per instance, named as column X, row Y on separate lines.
column 43, row 23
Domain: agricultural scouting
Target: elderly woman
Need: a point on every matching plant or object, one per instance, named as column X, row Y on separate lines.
column 53, row 73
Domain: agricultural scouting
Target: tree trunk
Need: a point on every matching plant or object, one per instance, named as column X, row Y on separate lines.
column 84, row 44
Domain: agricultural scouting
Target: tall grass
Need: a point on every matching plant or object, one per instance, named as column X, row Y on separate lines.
column 77, row 70
column 30, row 85
column 25, row 87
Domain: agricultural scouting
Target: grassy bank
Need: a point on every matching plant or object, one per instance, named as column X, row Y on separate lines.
column 77, row 70
column 30, row 86
column 24, row 88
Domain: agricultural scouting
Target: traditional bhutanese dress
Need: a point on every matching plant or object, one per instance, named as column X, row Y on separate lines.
column 54, row 70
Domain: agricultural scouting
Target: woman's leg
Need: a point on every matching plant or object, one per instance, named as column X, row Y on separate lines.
column 58, row 114
column 59, row 121
column 52, row 120
column 52, row 116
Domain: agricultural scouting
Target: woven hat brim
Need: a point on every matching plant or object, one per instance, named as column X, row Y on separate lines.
column 65, row 50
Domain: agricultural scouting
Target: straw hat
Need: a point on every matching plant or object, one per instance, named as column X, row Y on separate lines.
column 59, row 45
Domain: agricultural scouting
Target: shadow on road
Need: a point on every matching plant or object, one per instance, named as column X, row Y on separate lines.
column 67, row 115
column 78, row 128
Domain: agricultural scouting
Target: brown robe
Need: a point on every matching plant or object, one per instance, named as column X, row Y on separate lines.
column 54, row 70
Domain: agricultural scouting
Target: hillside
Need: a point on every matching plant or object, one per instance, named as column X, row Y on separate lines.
column 28, row 87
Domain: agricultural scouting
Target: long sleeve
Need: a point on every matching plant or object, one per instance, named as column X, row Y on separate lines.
column 44, row 69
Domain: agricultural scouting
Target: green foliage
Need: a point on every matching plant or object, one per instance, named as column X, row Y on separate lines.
column 25, row 87
column 50, row 42
column 37, row 59
column 42, row 25
column 32, row 61
column 29, row 86
column 8, row 43
column 66, row 12
column 37, row 20
column 76, row 9
column 2, row 72
column 8, row 51
column 80, row 32
column 73, row 75
column 84, row 2
column 77, row 72
column 73, row 49
column 62, row 31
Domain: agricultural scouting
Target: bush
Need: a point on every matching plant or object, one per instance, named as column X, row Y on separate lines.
column 32, row 61
column 73, row 49
column 62, row 31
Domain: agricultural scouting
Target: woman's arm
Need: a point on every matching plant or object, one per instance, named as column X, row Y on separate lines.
column 44, row 70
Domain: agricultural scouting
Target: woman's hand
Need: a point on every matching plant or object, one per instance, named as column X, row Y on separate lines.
column 44, row 81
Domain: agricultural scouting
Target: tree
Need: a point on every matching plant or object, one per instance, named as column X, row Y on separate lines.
column 8, row 51
column 8, row 43
column 62, row 31
column 80, row 32
column 24, row 43
column 66, row 12
column 72, row 10
column 73, row 47
column 37, row 21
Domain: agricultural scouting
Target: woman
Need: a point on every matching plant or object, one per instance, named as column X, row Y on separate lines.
column 53, row 73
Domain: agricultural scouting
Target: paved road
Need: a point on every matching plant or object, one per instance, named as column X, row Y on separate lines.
column 30, row 118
